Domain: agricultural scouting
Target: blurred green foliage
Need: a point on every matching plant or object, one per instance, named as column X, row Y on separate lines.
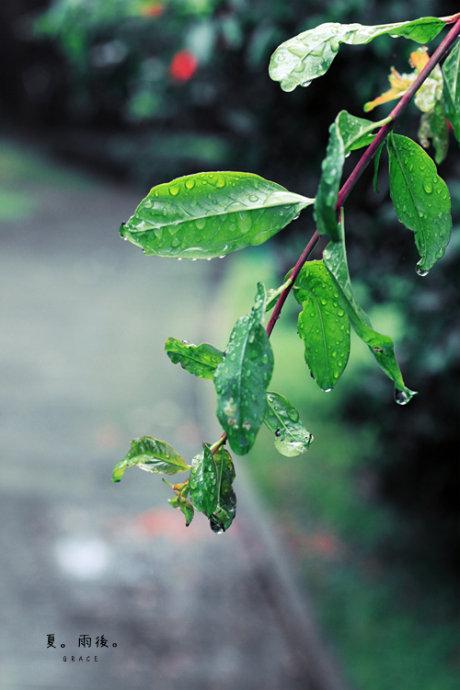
column 228, row 113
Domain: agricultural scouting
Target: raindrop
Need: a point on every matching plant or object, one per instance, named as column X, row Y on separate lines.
column 401, row 397
column 420, row 271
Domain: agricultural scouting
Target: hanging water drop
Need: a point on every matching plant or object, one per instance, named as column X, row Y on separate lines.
column 403, row 397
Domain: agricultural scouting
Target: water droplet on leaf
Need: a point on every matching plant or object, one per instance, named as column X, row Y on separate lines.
column 403, row 397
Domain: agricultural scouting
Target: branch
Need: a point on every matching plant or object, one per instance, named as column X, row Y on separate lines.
column 358, row 170
column 365, row 159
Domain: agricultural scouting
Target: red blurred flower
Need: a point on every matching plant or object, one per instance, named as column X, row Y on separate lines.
column 183, row 65
column 155, row 9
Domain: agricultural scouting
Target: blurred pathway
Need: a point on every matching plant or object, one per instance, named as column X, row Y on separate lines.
column 83, row 320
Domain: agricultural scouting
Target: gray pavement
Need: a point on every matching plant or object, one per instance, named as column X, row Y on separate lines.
column 83, row 320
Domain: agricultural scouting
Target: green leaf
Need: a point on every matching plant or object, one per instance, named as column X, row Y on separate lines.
column 434, row 127
column 421, row 199
column 451, row 75
column 152, row 455
column 242, row 378
column 225, row 510
column 184, row 506
column 199, row 360
column 309, row 55
column 323, row 324
column 203, row 488
column 375, row 177
column 281, row 417
column 381, row 346
column 273, row 294
column 345, row 134
column 211, row 214
column 356, row 132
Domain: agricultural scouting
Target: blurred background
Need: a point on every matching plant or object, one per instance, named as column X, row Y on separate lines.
column 99, row 100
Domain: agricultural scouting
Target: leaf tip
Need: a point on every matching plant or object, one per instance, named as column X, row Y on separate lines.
column 117, row 475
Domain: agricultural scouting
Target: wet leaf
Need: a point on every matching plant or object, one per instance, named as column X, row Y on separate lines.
column 242, row 378
column 273, row 294
column 421, row 199
column 184, row 506
column 375, row 176
column 451, row 75
column 381, row 346
column 434, row 128
column 309, row 55
column 199, row 360
column 203, row 489
column 211, row 214
column 346, row 134
column 323, row 324
column 225, row 510
column 281, row 417
column 152, row 455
